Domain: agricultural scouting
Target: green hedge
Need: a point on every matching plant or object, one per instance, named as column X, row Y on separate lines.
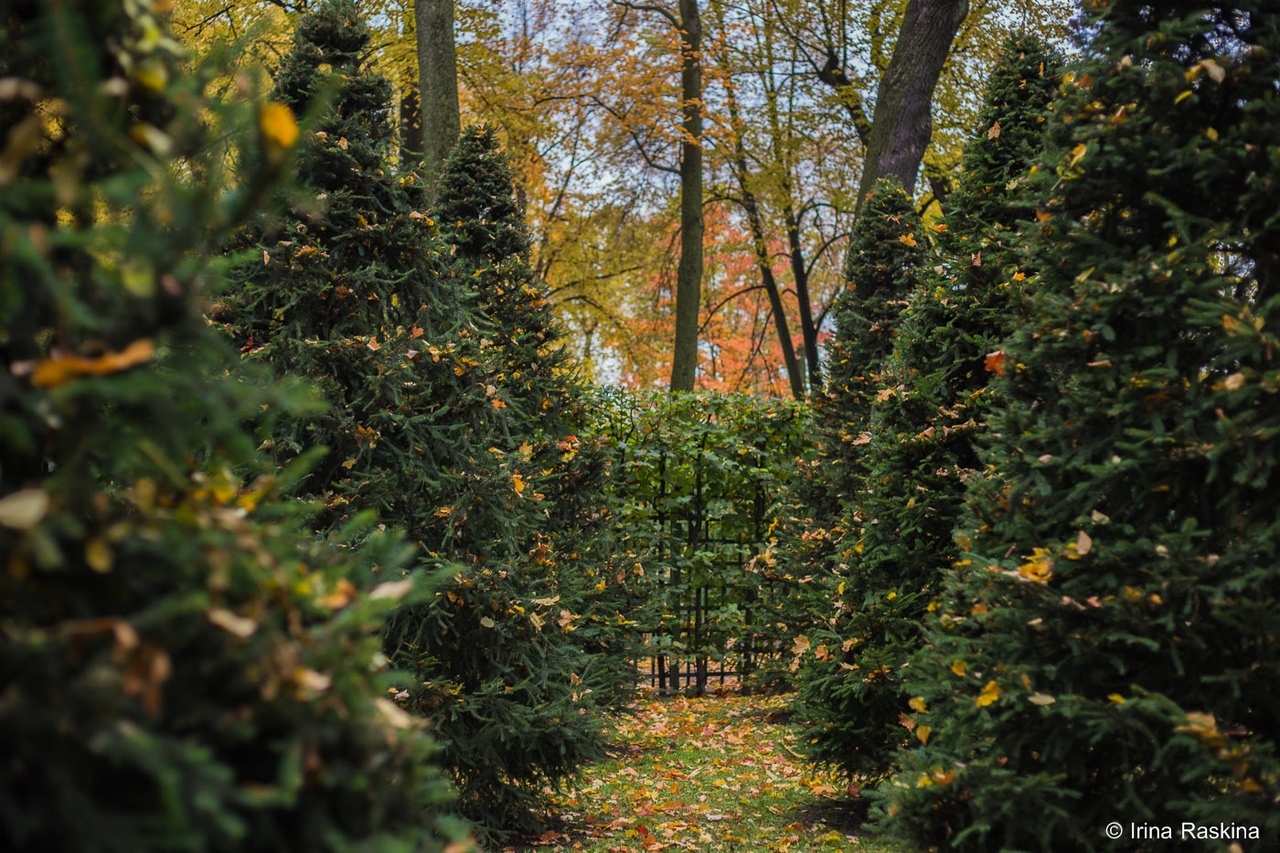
column 699, row 481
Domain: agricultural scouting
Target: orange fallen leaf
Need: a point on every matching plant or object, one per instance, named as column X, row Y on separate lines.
column 340, row 597
column 59, row 370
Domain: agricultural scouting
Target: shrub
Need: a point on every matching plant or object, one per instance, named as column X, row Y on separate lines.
column 921, row 433
column 1102, row 650
column 697, row 483
column 185, row 666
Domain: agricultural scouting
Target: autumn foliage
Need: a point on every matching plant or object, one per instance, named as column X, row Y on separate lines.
column 315, row 537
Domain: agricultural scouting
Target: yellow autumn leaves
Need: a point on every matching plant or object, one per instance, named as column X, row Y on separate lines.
column 923, row 732
column 279, row 130
column 989, row 696
column 937, row 776
column 1039, row 566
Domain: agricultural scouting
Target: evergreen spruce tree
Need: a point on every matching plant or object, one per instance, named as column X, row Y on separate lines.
column 883, row 266
column 484, row 227
column 347, row 291
column 522, row 656
column 184, row 665
column 920, row 443
column 454, row 419
column 1103, row 649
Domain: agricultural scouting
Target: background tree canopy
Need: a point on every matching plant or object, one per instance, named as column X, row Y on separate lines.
column 587, row 100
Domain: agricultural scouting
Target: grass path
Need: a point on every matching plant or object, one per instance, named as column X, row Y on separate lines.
column 718, row 773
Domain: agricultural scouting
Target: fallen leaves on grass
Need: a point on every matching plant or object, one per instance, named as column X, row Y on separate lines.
column 713, row 773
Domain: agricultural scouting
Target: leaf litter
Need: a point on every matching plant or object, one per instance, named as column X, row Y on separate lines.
column 713, row 773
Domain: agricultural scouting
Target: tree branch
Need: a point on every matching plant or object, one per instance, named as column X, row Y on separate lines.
column 850, row 98
column 726, row 301
column 648, row 7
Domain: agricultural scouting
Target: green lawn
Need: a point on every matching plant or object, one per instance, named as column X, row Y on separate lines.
column 717, row 774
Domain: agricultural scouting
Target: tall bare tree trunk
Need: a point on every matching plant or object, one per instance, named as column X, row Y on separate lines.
column 903, row 122
column 770, row 283
column 437, row 83
column 684, row 355
column 410, row 125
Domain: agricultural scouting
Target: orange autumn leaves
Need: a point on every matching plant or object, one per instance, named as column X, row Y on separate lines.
column 60, row 368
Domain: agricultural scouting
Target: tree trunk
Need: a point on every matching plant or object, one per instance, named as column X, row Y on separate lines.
column 800, row 274
column 410, row 125
column 684, row 355
column 770, row 283
column 437, row 83
column 761, row 247
column 902, row 124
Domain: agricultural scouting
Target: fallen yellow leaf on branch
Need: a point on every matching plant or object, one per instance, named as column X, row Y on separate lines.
column 990, row 695
column 278, row 125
